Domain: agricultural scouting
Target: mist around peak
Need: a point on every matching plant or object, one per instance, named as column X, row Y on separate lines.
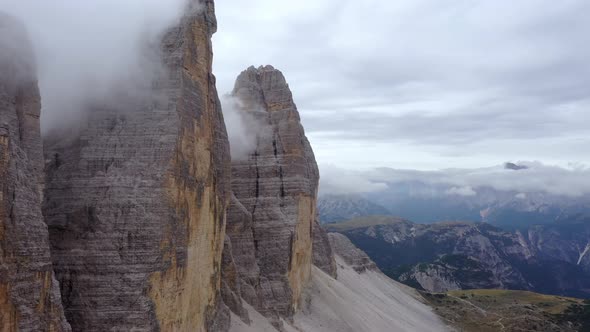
column 93, row 52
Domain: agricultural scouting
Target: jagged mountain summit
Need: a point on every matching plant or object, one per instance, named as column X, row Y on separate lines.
column 281, row 271
column 29, row 294
column 271, row 216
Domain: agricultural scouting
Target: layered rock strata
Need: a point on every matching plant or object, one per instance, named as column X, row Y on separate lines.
column 271, row 219
column 29, row 293
column 136, row 202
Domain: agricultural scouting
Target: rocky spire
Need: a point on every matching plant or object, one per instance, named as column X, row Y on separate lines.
column 271, row 220
column 29, row 294
column 136, row 202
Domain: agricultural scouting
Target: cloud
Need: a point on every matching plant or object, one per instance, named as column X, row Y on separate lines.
column 449, row 78
column 243, row 127
column 537, row 178
column 17, row 62
column 461, row 191
column 336, row 180
column 92, row 51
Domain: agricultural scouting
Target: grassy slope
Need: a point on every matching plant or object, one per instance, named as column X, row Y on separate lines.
column 504, row 310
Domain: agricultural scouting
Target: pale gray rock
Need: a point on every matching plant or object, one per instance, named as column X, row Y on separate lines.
column 29, row 294
column 270, row 222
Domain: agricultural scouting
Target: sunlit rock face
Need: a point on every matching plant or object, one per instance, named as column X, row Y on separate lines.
column 29, row 293
column 136, row 199
column 271, row 219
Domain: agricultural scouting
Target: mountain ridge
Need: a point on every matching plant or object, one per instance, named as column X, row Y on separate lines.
column 458, row 255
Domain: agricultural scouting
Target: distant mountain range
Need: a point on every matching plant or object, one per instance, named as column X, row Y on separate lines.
column 338, row 208
column 438, row 257
column 428, row 203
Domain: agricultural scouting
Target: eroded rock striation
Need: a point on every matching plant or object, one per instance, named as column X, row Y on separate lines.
column 271, row 218
column 136, row 202
column 29, row 294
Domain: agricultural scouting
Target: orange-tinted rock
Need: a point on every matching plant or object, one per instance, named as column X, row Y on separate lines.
column 136, row 202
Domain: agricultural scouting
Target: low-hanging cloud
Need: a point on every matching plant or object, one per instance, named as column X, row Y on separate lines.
column 336, row 180
column 243, row 127
column 537, row 177
column 461, row 191
column 91, row 51
column 17, row 63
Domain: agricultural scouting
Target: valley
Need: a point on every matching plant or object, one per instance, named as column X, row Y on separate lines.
column 460, row 255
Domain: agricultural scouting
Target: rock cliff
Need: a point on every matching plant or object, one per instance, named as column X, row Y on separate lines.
column 136, row 201
column 271, row 218
column 29, row 294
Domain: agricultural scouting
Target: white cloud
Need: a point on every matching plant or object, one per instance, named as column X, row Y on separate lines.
column 243, row 127
column 461, row 191
column 92, row 51
column 336, row 180
column 537, row 178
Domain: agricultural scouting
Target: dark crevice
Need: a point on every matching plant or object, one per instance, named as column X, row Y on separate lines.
column 57, row 160
column 282, row 182
column 274, row 145
column 257, row 190
column 291, row 250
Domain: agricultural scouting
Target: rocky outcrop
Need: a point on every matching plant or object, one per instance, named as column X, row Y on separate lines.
column 270, row 221
column 353, row 256
column 29, row 293
column 136, row 201
column 323, row 255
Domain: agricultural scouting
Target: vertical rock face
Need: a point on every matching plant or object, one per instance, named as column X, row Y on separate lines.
column 136, row 202
column 270, row 221
column 29, row 294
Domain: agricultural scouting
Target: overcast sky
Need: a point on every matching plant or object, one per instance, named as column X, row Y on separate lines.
column 404, row 85
column 423, row 84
